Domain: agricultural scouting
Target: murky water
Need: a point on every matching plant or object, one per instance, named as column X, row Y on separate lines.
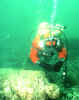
column 19, row 20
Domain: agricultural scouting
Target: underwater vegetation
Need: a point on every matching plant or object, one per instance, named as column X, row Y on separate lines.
column 32, row 82
column 38, row 84
column 26, row 85
column 24, row 81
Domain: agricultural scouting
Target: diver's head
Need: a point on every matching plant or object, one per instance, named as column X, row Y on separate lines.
column 43, row 28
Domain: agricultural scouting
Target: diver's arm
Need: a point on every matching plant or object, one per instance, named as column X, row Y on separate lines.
column 34, row 55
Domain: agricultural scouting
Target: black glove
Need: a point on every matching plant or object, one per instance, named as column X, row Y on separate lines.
column 58, row 66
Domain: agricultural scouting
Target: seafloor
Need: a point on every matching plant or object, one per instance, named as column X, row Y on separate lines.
column 32, row 82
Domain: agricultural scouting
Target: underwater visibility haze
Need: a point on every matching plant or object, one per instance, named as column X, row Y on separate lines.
column 20, row 79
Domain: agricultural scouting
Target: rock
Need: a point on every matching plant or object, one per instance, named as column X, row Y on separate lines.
column 52, row 91
column 27, row 85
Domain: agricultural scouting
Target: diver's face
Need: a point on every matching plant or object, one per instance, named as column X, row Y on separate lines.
column 43, row 28
column 44, row 33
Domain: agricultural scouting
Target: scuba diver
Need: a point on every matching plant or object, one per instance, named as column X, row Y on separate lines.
column 48, row 49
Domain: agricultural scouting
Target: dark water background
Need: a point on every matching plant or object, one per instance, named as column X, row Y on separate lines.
column 19, row 20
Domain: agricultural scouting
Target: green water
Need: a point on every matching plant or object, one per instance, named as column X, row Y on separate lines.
column 19, row 20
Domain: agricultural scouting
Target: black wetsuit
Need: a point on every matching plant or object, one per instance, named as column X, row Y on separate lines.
column 49, row 55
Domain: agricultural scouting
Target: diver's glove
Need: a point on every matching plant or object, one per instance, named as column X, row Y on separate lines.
column 57, row 66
